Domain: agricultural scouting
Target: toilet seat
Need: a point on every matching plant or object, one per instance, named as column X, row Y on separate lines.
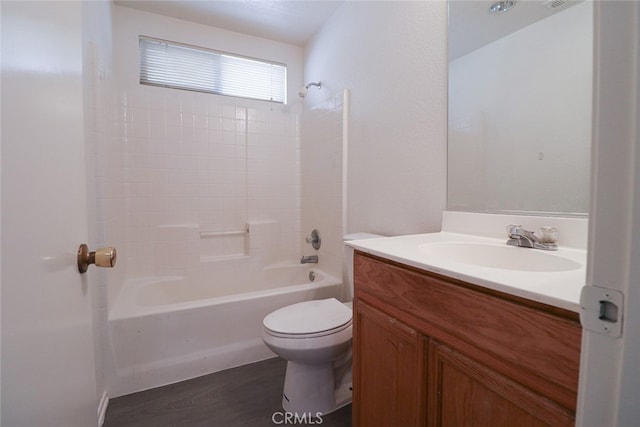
column 309, row 319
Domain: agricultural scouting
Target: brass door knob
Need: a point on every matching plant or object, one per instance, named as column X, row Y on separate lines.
column 103, row 257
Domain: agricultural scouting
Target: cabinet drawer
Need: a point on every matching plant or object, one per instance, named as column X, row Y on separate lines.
column 534, row 344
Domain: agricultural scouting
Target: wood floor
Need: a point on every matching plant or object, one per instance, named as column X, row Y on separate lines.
column 240, row 397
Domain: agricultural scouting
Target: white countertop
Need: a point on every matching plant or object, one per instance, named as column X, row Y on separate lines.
column 559, row 288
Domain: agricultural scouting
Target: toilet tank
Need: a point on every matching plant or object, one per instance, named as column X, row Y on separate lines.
column 348, row 258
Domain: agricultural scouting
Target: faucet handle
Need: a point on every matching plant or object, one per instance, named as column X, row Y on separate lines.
column 314, row 239
column 548, row 234
column 514, row 229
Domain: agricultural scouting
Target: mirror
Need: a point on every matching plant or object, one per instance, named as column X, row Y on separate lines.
column 520, row 100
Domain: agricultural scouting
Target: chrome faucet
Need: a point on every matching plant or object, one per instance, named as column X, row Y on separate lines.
column 309, row 259
column 518, row 236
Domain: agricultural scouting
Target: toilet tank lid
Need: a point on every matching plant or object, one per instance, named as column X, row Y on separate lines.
column 361, row 236
column 308, row 317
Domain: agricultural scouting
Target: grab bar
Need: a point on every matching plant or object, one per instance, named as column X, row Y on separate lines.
column 210, row 233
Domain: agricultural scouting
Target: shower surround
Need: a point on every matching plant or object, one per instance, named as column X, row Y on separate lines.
column 211, row 193
column 213, row 208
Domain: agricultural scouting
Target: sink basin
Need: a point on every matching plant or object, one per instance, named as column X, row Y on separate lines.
column 500, row 257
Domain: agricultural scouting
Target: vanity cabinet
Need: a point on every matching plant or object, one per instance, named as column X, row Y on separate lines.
column 435, row 351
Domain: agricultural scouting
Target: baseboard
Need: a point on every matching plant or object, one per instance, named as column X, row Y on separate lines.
column 151, row 375
column 102, row 408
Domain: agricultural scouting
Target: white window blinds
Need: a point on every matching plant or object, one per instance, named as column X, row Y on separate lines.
column 179, row 66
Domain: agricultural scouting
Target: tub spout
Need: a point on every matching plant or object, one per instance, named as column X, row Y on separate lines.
column 309, row 259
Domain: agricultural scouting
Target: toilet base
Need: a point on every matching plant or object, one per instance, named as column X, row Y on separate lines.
column 309, row 389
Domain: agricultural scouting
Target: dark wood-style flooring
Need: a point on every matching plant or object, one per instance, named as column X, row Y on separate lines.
column 245, row 396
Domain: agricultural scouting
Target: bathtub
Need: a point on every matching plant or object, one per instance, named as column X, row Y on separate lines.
column 164, row 329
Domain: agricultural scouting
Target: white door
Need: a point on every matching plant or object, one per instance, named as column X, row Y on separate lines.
column 48, row 368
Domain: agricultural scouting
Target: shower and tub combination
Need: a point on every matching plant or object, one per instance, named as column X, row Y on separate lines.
column 197, row 304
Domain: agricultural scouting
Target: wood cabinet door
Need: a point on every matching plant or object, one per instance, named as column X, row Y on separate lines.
column 389, row 371
column 463, row 392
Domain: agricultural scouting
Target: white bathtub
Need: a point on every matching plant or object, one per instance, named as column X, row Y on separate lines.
column 163, row 330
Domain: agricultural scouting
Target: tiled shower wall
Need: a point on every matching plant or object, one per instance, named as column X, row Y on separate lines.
column 186, row 166
column 322, row 177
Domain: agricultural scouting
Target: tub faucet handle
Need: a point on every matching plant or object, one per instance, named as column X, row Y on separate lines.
column 314, row 239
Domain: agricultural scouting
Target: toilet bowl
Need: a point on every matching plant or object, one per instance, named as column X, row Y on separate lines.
column 315, row 339
column 311, row 336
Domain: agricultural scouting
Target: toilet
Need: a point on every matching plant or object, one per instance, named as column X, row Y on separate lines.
column 315, row 339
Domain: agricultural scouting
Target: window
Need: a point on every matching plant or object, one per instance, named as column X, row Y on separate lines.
column 180, row 66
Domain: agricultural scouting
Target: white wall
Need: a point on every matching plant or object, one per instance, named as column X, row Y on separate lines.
column 524, row 95
column 392, row 58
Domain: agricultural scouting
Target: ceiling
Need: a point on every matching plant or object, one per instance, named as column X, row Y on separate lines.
column 286, row 21
column 296, row 21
